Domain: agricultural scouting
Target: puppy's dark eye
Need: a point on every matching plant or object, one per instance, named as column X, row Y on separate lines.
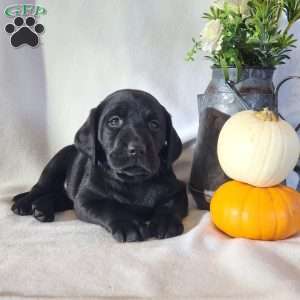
column 115, row 122
column 154, row 125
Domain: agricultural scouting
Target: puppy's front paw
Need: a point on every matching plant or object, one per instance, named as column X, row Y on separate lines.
column 165, row 226
column 41, row 207
column 129, row 231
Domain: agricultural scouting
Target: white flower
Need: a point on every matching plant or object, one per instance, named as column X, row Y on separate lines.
column 244, row 8
column 238, row 6
column 282, row 22
column 219, row 4
column 211, row 36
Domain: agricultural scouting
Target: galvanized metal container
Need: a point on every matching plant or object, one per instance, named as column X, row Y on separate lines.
column 254, row 90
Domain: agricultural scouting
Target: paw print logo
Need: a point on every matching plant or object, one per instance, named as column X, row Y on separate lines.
column 24, row 32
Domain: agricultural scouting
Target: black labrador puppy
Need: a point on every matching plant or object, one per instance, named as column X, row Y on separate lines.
column 118, row 173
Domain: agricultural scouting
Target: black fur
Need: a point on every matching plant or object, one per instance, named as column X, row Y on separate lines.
column 118, row 173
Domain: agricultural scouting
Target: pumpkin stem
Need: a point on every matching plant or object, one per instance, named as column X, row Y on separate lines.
column 267, row 115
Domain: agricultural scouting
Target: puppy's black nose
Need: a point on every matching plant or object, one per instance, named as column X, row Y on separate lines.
column 135, row 149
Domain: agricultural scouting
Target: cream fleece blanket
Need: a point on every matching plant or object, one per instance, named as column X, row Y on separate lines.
column 70, row 259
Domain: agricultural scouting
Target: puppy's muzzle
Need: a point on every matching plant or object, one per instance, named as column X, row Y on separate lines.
column 135, row 149
column 135, row 166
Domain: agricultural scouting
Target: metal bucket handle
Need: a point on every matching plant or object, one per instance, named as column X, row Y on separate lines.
column 297, row 128
column 245, row 105
column 277, row 92
column 231, row 84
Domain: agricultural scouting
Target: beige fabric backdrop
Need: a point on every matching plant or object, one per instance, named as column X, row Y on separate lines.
column 91, row 48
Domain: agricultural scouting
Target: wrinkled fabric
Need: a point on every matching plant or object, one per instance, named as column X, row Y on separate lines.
column 69, row 258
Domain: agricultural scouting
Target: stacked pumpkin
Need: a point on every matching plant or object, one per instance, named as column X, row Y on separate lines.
column 257, row 150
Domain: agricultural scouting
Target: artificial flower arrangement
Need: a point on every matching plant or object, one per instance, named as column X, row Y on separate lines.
column 248, row 33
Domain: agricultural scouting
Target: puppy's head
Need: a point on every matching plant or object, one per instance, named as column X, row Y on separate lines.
column 131, row 134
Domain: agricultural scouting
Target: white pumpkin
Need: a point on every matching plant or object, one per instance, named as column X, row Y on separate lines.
column 258, row 148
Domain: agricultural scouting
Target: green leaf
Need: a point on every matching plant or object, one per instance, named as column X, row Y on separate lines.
column 224, row 66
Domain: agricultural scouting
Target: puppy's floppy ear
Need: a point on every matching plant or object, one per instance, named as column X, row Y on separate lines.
column 86, row 140
column 173, row 145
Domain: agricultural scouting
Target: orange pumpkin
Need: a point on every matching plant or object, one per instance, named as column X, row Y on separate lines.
column 242, row 210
